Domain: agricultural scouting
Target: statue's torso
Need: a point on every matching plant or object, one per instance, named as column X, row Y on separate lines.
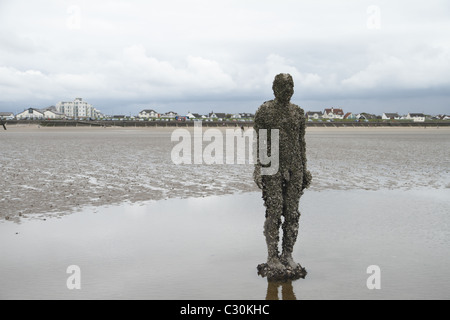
column 288, row 120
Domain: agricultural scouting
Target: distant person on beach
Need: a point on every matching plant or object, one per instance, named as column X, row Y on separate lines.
column 282, row 191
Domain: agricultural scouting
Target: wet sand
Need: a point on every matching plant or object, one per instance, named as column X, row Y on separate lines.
column 379, row 197
column 55, row 171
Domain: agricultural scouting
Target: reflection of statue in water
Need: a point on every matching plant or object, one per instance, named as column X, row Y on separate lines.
column 287, row 290
column 282, row 191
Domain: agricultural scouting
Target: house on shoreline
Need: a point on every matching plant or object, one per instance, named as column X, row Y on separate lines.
column 49, row 113
column 194, row 116
column 6, row 115
column 390, row 116
column 416, row 117
column 170, row 115
column 246, row 115
column 148, row 114
column 52, row 114
column 30, row 114
column 333, row 113
column 443, row 117
column 314, row 115
column 366, row 116
column 218, row 116
column 349, row 116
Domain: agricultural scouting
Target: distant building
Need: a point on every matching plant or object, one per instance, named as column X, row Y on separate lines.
column 51, row 108
column 221, row 116
column 333, row 113
column 214, row 115
column 193, row 116
column 148, row 114
column 390, row 116
column 242, row 115
column 97, row 114
column 416, row 117
column 247, row 115
column 30, row 114
column 349, row 116
column 6, row 115
column 314, row 115
column 190, row 116
column 366, row 116
column 50, row 114
column 77, row 109
column 170, row 115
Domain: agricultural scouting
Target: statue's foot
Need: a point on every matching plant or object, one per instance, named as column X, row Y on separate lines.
column 283, row 274
column 272, row 267
column 275, row 264
column 289, row 262
column 282, row 269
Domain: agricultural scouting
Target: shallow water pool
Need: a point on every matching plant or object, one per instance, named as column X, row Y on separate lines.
column 208, row 248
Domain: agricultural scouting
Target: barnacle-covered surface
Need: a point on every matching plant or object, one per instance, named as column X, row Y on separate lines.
column 282, row 190
column 286, row 274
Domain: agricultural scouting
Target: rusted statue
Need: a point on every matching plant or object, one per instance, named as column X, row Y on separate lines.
column 282, row 190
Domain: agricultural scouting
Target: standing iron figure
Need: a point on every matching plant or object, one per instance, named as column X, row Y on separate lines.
column 282, row 190
column 2, row 123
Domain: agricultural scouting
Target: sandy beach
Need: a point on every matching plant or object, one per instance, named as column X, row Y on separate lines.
column 111, row 201
column 54, row 171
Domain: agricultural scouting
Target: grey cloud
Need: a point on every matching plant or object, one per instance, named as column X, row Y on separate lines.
column 223, row 53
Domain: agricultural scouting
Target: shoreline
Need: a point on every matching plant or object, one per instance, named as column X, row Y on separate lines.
column 311, row 128
column 55, row 214
column 216, row 124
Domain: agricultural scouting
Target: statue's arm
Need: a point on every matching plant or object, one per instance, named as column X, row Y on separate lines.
column 307, row 177
column 257, row 172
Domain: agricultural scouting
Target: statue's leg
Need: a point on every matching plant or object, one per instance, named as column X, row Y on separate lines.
column 272, row 290
column 273, row 200
column 291, row 213
column 287, row 291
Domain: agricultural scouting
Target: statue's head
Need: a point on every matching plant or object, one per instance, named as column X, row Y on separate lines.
column 283, row 87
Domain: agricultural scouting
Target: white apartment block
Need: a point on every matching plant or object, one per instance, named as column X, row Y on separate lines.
column 77, row 109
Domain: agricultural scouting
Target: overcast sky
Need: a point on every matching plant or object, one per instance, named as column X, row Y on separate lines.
column 222, row 55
